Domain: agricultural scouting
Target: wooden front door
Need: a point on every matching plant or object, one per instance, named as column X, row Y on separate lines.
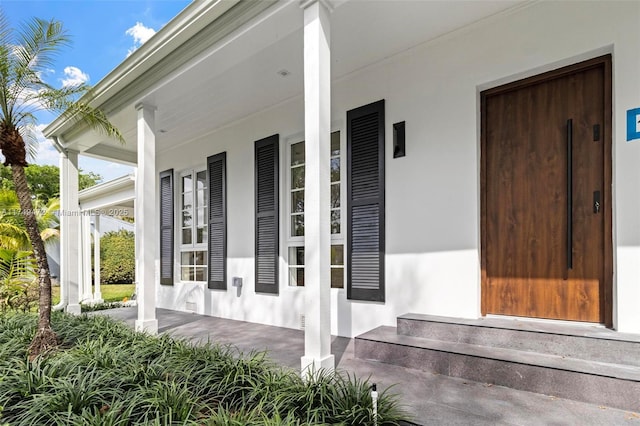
column 546, row 203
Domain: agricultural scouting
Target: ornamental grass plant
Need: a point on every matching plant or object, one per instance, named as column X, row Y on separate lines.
column 105, row 374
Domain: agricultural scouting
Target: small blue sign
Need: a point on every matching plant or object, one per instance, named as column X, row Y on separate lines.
column 633, row 124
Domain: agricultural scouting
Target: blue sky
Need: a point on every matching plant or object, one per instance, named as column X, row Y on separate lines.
column 103, row 33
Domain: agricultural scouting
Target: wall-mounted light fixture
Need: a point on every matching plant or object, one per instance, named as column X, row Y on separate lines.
column 398, row 140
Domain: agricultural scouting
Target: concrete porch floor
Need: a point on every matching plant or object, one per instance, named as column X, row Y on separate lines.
column 432, row 399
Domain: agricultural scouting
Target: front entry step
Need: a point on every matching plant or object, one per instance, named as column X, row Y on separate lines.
column 516, row 354
column 594, row 343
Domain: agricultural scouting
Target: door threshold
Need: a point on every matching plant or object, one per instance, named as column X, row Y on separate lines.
column 547, row 321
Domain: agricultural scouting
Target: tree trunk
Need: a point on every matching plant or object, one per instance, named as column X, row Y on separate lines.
column 45, row 338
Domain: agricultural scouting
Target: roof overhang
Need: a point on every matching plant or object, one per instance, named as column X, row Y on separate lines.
column 117, row 193
column 184, row 37
column 220, row 61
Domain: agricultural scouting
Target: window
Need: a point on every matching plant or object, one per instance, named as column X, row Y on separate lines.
column 296, row 214
column 193, row 226
column 193, row 265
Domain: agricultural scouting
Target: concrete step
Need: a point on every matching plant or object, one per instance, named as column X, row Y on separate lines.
column 609, row 384
column 594, row 343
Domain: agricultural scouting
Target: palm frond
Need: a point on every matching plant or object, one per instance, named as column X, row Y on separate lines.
column 10, row 208
column 5, row 29
column 50, row 235
column 22, row 62
column 16, row 265
column 29, row 135
column 82, row 111
column 39, row 43
column 12, row 224
column 48, row 220
column 13, row 237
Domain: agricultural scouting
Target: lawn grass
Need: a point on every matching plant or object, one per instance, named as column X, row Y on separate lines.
column 107, row 374
column 110, row 292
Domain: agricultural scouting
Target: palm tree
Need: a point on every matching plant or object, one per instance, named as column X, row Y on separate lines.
column 13, row 233
column 26, row 54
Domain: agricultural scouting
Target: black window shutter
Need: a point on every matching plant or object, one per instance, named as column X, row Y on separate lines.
column 365, row 203
column 217, row 265
column 266, row 226
column 166, row 227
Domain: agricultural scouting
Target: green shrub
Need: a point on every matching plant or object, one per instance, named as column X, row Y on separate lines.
column 107, row 374
column 101, row 306
column 18, row 280
column 117, row 257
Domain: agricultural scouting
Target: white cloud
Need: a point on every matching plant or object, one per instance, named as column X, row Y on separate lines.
column 74, row 77
column 140, row 35
column 47, row 154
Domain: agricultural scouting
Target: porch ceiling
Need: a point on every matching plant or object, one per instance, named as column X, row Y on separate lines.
column 240, row 75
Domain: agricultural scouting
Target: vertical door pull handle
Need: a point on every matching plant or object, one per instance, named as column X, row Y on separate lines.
column 570, row 194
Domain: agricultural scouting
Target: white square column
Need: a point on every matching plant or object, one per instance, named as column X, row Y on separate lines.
column 70, row 272
column 85, row 257
column 146, row 222
column 97, row 294
column 317, row 238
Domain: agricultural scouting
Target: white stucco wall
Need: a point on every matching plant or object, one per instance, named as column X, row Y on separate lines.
column 432, row 194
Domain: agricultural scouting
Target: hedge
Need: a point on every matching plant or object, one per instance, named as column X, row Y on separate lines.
column 117, row 257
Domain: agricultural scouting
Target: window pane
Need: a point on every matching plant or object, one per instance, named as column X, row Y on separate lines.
column 297, row 201
column 335, row 143
column 201, row 184
column 296, row 277
column 335, row 221
column 200, row 218
column 297, row 177
column 186, row 183
column 201, row 274
column 187, row 201
column 186, row 236
column 201, row 258
column 297, row 225
column 185, row 273
column 187, row 219
column 335, row 169
column 335, row 195
column 297, row 153
column 337, row 277
column 201, row 234
column 296, row 256
column 186, row 258
column 200, row 198
column 337, row 255
column 201, row 179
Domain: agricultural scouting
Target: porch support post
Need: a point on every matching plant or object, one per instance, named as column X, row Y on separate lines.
column 85, row 223
column 97, row 294
column 70, row 272
column 145, row 217
column 317, row 239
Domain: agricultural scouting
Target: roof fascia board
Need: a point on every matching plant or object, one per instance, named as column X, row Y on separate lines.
column 102, row 189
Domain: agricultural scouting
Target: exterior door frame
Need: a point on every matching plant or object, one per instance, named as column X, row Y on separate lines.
column 602, row 61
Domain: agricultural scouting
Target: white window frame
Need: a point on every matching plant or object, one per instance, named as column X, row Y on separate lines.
column 336, row 239
column 193, row 246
